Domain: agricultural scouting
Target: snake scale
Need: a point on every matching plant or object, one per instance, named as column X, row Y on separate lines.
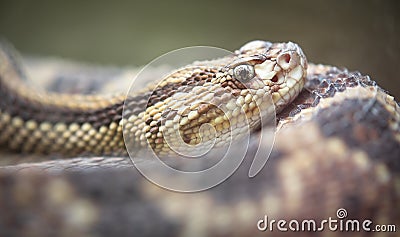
column 337, row 145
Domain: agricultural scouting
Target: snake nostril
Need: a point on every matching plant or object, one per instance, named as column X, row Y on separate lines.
column 285, row 61
column 286, row 57
column 274, row 79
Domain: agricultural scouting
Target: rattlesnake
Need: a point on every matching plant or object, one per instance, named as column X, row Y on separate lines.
column 337, row 146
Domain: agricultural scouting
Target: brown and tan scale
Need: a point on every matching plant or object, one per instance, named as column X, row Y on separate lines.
column 337, row 146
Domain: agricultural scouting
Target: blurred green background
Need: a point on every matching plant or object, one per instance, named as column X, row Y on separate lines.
column 360, row 35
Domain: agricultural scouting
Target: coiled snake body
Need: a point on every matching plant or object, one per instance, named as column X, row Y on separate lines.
column 337, row 146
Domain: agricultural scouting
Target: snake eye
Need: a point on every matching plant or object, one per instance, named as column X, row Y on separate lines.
column 244, row 72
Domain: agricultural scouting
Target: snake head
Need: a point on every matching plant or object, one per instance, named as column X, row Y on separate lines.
column 276, row 69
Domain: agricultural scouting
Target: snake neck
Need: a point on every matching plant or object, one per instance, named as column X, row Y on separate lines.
column 33, row 120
